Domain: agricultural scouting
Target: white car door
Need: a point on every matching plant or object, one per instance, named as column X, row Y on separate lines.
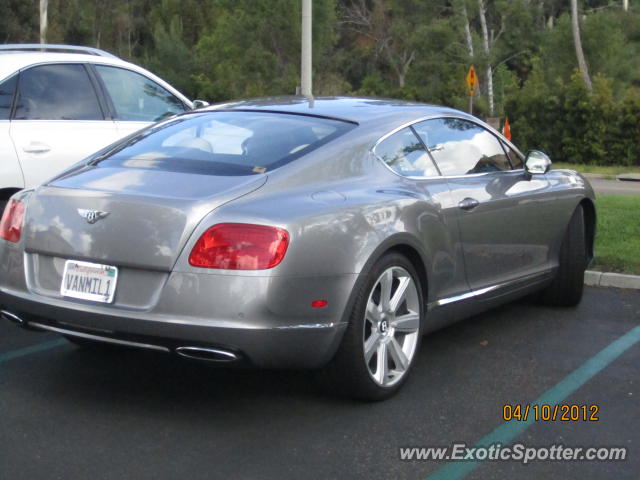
column 136, row 100
column 58, row 120
column 10, row 171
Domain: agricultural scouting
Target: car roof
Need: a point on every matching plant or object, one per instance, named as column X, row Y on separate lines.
column 375, row 114
column 360, row 110
column 13, row 61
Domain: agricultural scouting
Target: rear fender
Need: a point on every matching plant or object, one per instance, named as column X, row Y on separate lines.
column 399, row 242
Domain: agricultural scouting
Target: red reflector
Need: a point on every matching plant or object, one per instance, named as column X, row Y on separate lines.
column 11, row 223
column 240, row 246
column 319, row 303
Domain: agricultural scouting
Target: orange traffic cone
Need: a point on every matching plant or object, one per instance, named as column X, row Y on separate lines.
column 506, row 129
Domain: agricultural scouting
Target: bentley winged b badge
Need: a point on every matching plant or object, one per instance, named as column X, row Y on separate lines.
column 92, row 216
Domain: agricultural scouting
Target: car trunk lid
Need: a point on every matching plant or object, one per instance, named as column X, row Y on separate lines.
column 146, row 216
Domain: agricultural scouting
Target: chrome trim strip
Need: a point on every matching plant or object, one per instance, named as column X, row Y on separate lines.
column 436, row 116
column 12, row 317
column 405, row 125
column 311, row 325
column 466, row 175
column 98, row 338
column 464, row 296
column 482, row 291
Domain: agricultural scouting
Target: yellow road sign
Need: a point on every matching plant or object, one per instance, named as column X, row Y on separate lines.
column 472, row 80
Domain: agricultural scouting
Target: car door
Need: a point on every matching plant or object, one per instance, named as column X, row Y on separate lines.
column 434, row 218
column 57, row 120
column 501, row 210
column 10, row 171
column 136, row 100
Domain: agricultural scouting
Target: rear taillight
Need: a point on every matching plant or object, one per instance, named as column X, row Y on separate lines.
column 240, row 246
column 12, row 219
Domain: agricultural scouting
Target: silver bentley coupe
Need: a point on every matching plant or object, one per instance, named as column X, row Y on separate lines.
column 327, row 233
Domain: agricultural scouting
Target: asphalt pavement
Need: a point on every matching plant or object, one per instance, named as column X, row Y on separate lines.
column 70, row 413
column 614, row 187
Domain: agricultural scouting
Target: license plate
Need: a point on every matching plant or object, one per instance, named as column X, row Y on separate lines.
column 89, row 281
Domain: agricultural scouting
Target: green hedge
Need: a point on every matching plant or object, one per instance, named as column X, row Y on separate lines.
column 573, row 126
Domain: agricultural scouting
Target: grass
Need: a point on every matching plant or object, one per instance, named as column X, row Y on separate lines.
column 618, row 234
column 609, row 171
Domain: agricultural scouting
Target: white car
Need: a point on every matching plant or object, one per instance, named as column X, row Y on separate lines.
column 60, row 103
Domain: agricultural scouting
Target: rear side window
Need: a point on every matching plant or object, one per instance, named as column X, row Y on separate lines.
column 57, row 92
column 225, row 143
column 6, row 97
column 461, row 147
column 136, row 98
column 404, row 153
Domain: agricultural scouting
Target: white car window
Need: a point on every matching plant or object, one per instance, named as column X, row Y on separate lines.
column 226, row 138
column 226, row 142
column 137, row 98
column 404, row 153
column 6, row 97
column 461, row 147
column 516, row 159
column 57, row 92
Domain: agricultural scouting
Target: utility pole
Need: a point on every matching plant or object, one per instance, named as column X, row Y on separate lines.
column 43, row 20
column 625, row 5
column 305, row 67
column 582, row 64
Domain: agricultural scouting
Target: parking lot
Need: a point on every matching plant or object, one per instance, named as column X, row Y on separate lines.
column 73, row 413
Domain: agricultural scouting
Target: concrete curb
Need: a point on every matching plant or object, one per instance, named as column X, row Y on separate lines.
column 599, row 176
column 624, row 177
column 629, row 177
column 616, row 280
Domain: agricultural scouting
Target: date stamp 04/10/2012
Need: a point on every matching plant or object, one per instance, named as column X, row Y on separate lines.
column 550, row 413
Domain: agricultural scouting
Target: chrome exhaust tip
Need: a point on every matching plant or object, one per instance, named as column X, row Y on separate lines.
column 208, row 354
column 12, row 317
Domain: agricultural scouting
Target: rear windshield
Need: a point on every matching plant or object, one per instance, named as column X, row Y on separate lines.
column 225, row 142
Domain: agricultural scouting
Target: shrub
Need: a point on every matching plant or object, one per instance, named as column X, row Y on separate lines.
column 574, row 126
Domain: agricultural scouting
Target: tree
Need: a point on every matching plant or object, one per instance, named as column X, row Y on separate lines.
column 467, row 31
column 44, row 5
column 389, row 27
column 487, row 50
column 19, row 22
column 253, row 48
column 375, row 22
column 582, row 64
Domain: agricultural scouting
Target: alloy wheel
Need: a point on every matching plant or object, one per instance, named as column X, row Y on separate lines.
column 391, row 327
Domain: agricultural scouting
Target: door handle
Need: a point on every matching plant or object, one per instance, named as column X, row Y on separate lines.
column 468, row 204
column 36, row 147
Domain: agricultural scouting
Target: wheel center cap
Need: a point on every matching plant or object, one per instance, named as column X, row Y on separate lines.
column 384, row 326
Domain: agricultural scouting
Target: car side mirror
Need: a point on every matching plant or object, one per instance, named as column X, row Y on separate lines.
column 199, row 104
column 537, row 162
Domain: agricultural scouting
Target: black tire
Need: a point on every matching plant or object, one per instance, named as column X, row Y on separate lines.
column 3, row 203
column 348, row 373
column 566, row 288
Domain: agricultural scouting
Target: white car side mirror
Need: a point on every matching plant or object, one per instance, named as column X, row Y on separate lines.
column 537, row 162
column 199, row 104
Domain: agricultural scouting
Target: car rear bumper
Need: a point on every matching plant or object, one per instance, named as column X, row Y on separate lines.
column 264, row 320
column 305, row 345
